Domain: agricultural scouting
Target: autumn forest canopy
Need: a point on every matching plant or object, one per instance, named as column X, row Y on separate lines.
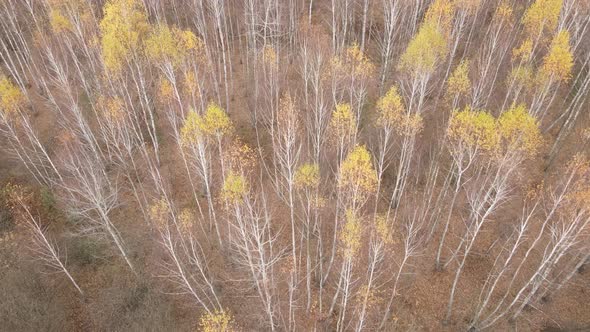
column 294, row 165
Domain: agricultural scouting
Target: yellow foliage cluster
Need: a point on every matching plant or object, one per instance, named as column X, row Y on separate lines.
column 159, row 212
column 166, row 90
column 459, row 82
column 523, row 75
column 11, row 97
column 579, row 198
column 235, row 187
column 343, row 121
column 390, row 108
column 579, row 164
column 357, row 171
column 307, row 176
column 391, row 112
column 519, row 131
column 241, row 156
column 186, row 219
column 425, row 51
column 58, row 22
column 190, row 84
column 215, row 122
column 123, row 26
column 503, row 12
column 113, row 108
column 383, row 229
column 515, row 130
column 217, row 321
column 353, row 62
column 287, row 115
column 524, row 52
column 171, row 44
column 542, row 16
column 559, row 61
column 440, row 14
column 411, row 125
column 350, row 235
column 473, row 129
column 190, row 132
column 269, row 57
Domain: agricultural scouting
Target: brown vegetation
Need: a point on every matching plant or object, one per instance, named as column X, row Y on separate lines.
column 296, row 165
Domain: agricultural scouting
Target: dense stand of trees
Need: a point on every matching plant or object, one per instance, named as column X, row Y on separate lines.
column 304, row 160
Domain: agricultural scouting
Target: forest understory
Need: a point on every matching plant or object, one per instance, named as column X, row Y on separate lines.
column 294, row 165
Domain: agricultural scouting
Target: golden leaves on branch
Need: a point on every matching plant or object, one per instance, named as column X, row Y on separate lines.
column 186, row 219
column 503, row 13
column 425, row 51
column 217, row 321
column 519, row 131
column 541, row 17
column 343, row 122
column 241, row 157
column 123, row 27
column 113, row 109
column 307, row 176
column 353, row 62
column 523, row 75
column 58, row 22
column 440, row 13
column 11, row 97
column 411, row 125
column 159, row 213
column 524, row 52
column 390, row 108
column 165, row 91
column 190, row 132
column 172, row 44
column 287, row 116
column 392, row 113
column 578, row 200
column 473, row 129
column 235, row 188
column 383, row 229
column 350, row 235
column 270, row 57
column 357, row 172
column 190, row 84
column 459, row 82
column 559, row 61
column 63, row 13
column 514, row 131
column 215, row 122
column 556, row 67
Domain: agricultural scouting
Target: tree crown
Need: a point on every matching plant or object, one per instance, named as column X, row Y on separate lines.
column 473, row 129
column 459, row 82
column 11, row 97
column 123, row 26
column 425, row 51
column 559, row 61
column 307, row 176
column 350, row 235
column 520, row 131
column 390, row 108
column 235, row 187
column 357, row 171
